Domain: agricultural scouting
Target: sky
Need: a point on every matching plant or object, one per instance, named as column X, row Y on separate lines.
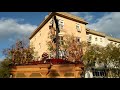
column 19, row 25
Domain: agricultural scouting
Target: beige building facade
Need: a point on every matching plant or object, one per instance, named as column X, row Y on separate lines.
column 68, row 24
column 98, row 38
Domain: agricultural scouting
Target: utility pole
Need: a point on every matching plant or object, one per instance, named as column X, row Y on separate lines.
column 57, row 37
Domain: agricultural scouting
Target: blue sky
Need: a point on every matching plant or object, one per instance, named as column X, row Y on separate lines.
column 14, row 25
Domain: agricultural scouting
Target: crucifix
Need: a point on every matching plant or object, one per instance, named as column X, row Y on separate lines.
column 57, row 37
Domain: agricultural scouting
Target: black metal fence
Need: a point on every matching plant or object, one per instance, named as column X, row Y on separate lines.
column 106, row 73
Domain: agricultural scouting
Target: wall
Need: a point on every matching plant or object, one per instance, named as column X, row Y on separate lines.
column 98, row 42
column 70, row 28
column 40, row 39
column 105, row 40
column 41, row 71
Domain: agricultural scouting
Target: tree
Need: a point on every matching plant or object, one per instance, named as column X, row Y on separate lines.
column 52, row 41
column 19, row 53
column 113, row 55
column 5, row 68
column 113, row 60
column 71, row 47
column 109, row 56
column 92, row 54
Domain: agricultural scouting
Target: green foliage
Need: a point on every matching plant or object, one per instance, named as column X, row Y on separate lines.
column 5, row 68
column 92, row 54
column 19, row 53
column 71, row 46
column 51, row 46
column 106, row 55
column 68, row 44
column 113, row 54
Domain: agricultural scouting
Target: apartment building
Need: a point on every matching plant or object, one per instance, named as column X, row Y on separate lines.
column 99, row 38
column 94, row 37
column 114, row 41
column 68, row 24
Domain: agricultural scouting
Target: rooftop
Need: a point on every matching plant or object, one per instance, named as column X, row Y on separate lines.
column 113, row 39
column 71, row 16
column 62, row 14
column 95, row 32
column 102, row 34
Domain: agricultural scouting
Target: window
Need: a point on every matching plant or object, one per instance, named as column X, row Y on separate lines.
column 61, row 54
column 78, row 39
column 61, row 37
column 51, row 22
column 78, row 28
column 61, row 24
column 90, row 37
column 50, row 27
column 100, row 39
column 96, row 39
column 61, row 40
column 54, row 40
